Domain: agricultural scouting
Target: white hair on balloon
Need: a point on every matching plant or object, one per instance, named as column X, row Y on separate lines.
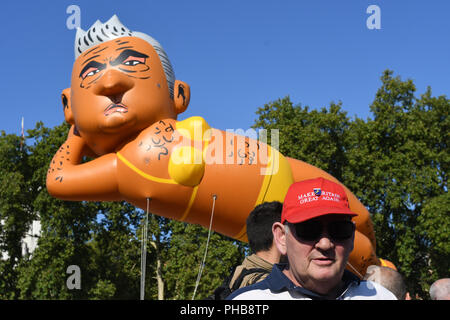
column 113, row 29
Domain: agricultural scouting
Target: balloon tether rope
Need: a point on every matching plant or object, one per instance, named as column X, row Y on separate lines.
column 354, row 270
column 202, row 265
column 144, row 251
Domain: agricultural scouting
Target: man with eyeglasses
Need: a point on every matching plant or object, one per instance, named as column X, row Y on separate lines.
column 316, row 234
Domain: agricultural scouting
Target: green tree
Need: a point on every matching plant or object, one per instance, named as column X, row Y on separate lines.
column 116, row 258
column 185, row 254
column 176, row 251
column 102, row 238
column 406, row 170
column 65, row 227
column 15, row 212
column 302, row 132
column 396, row 164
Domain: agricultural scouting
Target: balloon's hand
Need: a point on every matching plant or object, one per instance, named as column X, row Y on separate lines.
column 75, row 137
column 70, row 179
column 73, row 132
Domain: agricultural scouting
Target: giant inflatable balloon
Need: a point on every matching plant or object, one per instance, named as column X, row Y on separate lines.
column 123, row 105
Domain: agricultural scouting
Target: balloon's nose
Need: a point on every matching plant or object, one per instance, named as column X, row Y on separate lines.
column 113, row 84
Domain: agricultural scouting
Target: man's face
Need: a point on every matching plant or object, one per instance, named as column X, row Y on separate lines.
column 318, row 265
column 118, row 88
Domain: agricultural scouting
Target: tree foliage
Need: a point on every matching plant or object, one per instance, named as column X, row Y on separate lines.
column 396, row 162
column 102, row 238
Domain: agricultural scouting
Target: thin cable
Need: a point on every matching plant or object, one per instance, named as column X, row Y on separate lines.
column 144, row 251
column 354, row 270
column 202, row 265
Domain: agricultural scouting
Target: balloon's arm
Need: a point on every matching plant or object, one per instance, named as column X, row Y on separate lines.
column 69, row 179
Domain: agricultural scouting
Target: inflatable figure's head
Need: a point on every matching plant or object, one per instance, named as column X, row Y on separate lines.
column 122, row 82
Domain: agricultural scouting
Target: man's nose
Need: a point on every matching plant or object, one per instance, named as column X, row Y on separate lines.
column 113, row 84
column 324, row 242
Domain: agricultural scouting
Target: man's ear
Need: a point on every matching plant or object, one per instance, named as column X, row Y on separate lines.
column 181, row 95
column 68, row 115
column 279, row 237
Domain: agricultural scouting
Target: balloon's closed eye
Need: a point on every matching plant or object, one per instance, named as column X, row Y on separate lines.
column 90, row 72
column 132, row 61
column 91, row 68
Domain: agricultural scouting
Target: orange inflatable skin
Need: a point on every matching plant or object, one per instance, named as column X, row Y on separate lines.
column 122, row 115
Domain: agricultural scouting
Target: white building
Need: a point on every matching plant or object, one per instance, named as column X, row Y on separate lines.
column 29, row 242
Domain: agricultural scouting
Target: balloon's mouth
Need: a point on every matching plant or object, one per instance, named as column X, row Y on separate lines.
column 113, row 108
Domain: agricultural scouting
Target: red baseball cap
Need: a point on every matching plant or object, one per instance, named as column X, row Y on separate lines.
column 313, row 198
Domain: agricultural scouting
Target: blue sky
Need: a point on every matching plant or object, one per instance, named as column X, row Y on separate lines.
column 236, row 55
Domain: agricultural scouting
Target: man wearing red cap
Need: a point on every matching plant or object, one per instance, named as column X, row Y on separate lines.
column 316, row 234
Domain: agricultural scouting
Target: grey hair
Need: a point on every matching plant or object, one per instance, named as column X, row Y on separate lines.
column 286, row 227
column 440, row 289
column 388, row 278
column 113, row 29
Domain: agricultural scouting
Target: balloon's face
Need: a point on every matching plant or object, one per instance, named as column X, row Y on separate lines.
column 118, row 88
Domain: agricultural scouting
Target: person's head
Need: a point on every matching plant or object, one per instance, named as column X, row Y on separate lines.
column 388, row 278
column 122, row 82
column 440, row 289
column 316, row 233
column 259, row 225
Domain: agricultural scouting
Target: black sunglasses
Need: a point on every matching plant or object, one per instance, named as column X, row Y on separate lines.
column 339, row 230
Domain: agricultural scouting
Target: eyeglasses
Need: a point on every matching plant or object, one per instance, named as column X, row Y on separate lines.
column 339, row 230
